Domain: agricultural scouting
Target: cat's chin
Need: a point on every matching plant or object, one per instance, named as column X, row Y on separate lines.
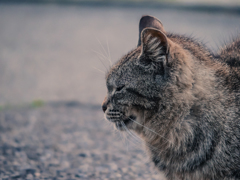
column 125, row 124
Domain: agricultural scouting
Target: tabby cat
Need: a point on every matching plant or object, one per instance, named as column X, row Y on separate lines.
column 182, row 100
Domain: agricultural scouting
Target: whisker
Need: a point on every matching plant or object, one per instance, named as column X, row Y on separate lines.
column 117, row 126
column 131, row 134
column 138, row 139
column 100, row 54
column 144, row 160
column 123, row 139
column 136, row 143
column 109, row 54
column 102, row 46
column 99, row 70
column 101, row 58
column 150, row 130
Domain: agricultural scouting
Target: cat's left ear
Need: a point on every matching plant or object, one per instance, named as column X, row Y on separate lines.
column 154, row 45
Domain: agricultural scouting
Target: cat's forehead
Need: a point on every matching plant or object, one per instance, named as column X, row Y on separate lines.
column 114, row 77
column 123, row 65
column 132, row 55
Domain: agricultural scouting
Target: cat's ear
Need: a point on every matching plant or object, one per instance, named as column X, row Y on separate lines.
column 154, row 45
column 149, row 22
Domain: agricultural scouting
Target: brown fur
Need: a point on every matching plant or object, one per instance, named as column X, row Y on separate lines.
column 182, row 101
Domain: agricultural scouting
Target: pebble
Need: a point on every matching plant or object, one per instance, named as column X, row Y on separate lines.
column 124, row 170
column 82, row 155
column 29, row 177
column 41, row 153
column 113, row 166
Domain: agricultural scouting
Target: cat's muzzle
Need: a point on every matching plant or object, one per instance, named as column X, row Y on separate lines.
column 121, row 121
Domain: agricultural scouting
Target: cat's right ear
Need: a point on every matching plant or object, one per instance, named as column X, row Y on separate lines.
column 154, row 46
column 149, row 22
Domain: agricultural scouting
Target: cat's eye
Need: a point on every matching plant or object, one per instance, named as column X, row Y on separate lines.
column 120, row 88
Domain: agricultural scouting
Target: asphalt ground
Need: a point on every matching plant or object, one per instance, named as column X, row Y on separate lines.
column 53, row 60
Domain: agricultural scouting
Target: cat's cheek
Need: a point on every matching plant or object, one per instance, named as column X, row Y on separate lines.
column 137, row 118
column 158, row 79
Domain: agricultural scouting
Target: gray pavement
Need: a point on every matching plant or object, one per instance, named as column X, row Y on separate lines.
column 58, row 55
column 62, row 141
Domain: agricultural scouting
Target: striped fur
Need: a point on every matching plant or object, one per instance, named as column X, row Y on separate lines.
column 182, row 100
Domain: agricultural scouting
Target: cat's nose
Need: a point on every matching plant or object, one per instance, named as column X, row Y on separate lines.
column 104, row 105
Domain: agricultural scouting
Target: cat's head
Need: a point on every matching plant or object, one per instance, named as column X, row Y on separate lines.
column 148, row 75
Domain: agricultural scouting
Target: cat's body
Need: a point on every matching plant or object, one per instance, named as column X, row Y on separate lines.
column 182, row 101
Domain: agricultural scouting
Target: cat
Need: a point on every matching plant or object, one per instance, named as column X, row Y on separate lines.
column 182, row 100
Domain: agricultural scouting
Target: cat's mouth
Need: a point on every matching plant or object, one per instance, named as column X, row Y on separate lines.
column 122, row 125
column 121, row 121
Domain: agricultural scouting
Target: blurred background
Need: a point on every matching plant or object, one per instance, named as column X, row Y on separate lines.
column 53, row 58
column 59, row 50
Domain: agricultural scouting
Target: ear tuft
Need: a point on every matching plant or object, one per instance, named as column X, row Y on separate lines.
column 154, row 44
column 149, row 22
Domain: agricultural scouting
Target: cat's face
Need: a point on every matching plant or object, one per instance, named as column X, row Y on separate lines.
column 133, row 86
column 137, row 83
